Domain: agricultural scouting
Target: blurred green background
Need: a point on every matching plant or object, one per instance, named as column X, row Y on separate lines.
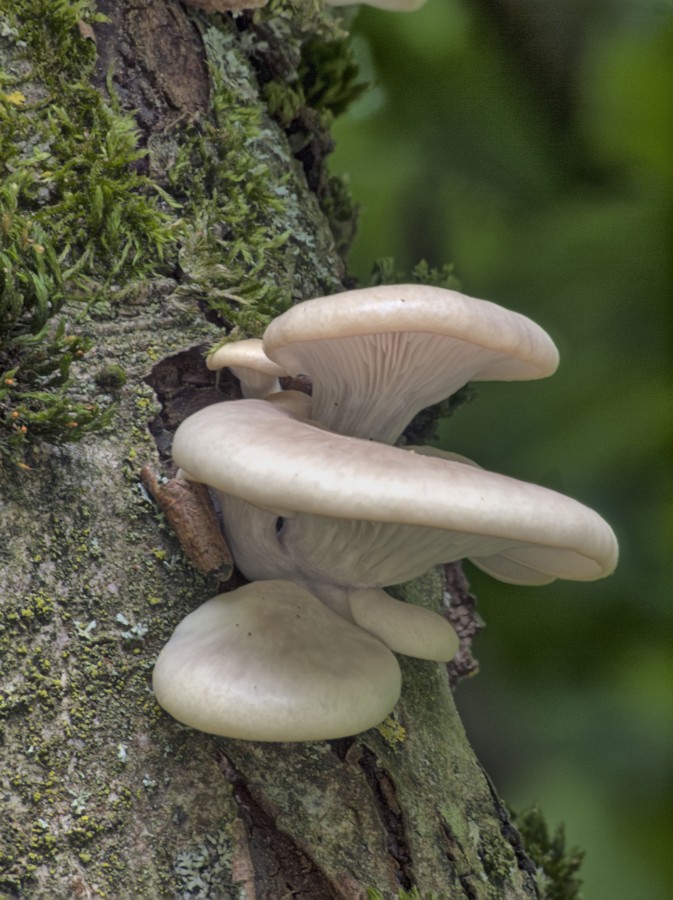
column 530, row 142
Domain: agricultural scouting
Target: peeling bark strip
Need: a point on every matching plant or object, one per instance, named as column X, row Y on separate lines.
column 190, row 513
column 104, row 794
column 461, row 611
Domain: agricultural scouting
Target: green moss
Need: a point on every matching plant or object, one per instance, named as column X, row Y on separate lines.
column 74, row 216
column 318, row 81
column 237, row 260
column 384, row 271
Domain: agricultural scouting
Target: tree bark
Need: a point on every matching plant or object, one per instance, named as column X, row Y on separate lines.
column 103, row 794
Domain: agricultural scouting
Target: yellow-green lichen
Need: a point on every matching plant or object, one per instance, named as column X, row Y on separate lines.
column 392, row 731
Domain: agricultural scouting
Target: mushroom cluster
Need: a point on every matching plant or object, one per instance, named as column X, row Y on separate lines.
column 322, row 511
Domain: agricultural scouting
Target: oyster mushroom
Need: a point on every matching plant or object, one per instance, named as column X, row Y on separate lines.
column 257, row 374
column 304, row 503
column 378, row 356
column 270, row 662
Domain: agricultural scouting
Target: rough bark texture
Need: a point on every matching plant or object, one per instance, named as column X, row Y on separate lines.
column 103, row 794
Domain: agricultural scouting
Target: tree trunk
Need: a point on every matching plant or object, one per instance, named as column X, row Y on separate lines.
column 103, row 793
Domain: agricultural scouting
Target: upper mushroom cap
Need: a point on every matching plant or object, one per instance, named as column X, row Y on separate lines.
column 270, row 662
column 257, row 374
column 378, row 356
column 352, row 488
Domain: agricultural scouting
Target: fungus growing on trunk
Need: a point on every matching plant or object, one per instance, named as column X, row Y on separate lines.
column 378, row 356
column 257, row 374
column 321, row 517
column 270, row 662
column 361, row 514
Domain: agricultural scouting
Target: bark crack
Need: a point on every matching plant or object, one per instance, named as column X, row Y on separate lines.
column 280, row 868
column 456, row 856
column 509, row 832
column 385, row 796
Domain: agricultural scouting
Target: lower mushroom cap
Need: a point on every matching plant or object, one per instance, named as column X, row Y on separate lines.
column 270, row 662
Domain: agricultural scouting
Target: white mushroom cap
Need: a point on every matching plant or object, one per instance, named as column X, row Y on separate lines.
column 404, row 627
column 257, row 374
column 378, row 356
column 270, row 662
column 373, row 515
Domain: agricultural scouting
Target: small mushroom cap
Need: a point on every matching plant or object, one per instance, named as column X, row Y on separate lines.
column 378, row 356
column 257, row 374
column 375, row 513
column 270, row 662
column 405, row 628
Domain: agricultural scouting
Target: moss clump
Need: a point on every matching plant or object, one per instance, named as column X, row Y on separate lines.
column 231, row 253
column 305, row 100
column 557, row 864
column 236, row 188
column 74, row 216
column 36, row 350
column 111, row 378
column 326, row 80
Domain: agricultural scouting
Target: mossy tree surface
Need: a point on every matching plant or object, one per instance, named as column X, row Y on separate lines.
column 173, row 206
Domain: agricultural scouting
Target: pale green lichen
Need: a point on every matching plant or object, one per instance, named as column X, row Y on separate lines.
column 204, row 870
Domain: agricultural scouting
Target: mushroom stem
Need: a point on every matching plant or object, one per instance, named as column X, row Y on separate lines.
column 405, row 628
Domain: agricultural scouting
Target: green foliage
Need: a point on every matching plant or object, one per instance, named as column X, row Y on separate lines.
column 329, row 76
column 74, row 217
column 558, row 864
column 384, row 271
